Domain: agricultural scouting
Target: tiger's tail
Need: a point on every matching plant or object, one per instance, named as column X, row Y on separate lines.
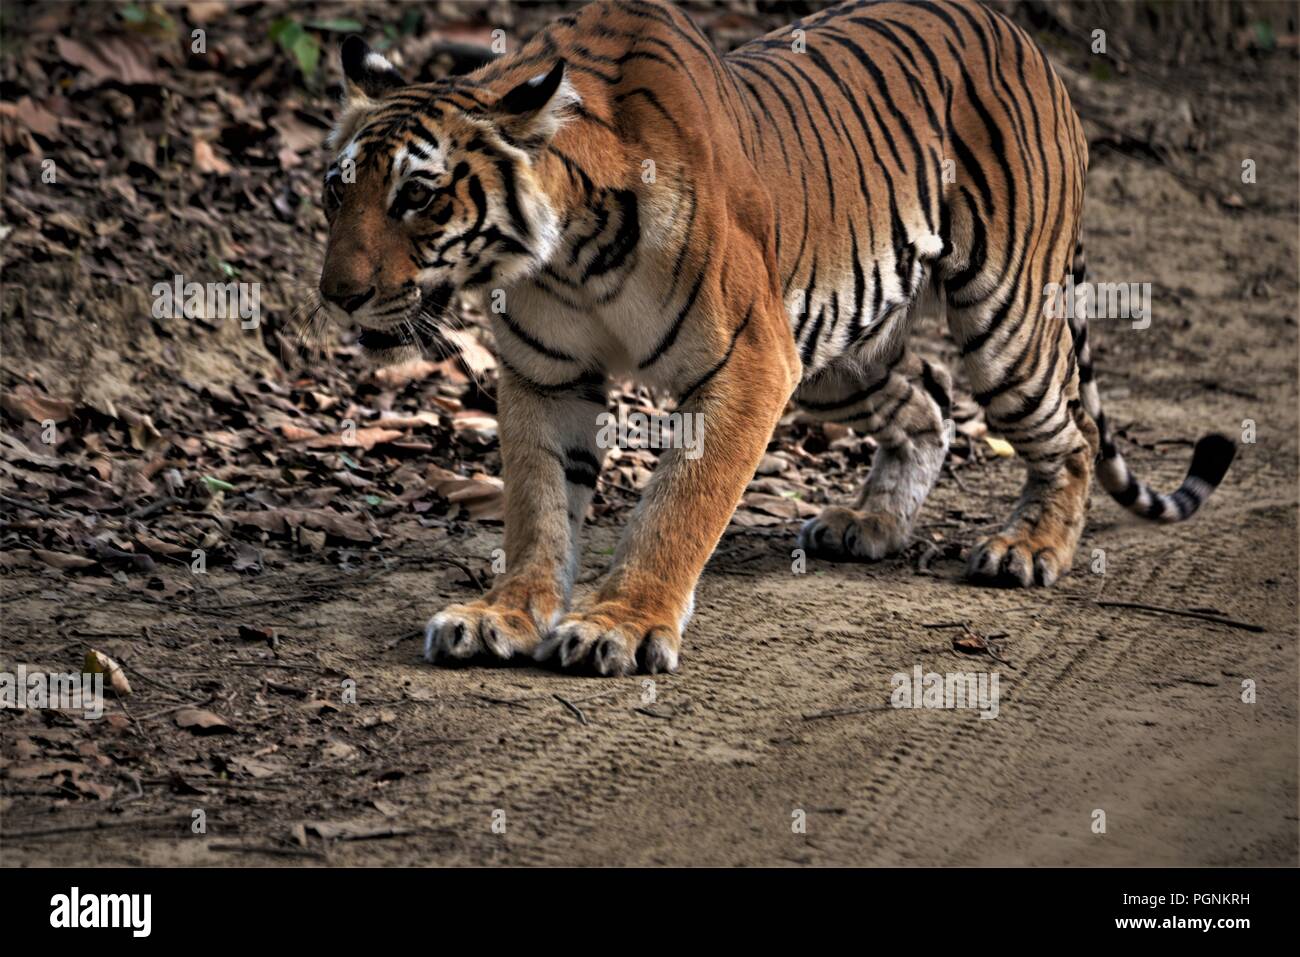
column 1210, row 459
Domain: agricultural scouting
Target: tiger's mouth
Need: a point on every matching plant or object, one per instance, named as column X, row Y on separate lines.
column 421, row 330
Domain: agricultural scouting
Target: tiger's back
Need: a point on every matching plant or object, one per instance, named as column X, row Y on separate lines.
column 936, row 129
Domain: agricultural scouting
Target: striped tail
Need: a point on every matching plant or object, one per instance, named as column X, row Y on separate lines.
column 1210, row 459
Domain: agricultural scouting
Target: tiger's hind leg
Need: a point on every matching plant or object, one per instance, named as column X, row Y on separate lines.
column 903, row 406
column 1026, row 379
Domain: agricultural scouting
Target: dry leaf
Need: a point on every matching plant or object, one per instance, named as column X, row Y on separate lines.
column 402, row 373
column 24, row 401
column 160, row 547
column 477, row 425
column 199, row 721
column 263, row 635
column 362, row 438
column 1001, row 447
column 33, row 116
column 748, row 519
column 256, row 767
column 416, row 420
column 64, row 561
column 144, row 435
column 338, row 751
column 205, row 11
column 484, row 499
column 125, row 60
column 98, row 663
column 779, row 505
column 295, row 433
column 318, row 706
column 206, row 159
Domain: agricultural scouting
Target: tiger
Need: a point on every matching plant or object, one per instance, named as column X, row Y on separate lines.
column 734, row 231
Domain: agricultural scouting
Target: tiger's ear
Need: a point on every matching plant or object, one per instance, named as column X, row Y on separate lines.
column 534, row 110
column 366, row 73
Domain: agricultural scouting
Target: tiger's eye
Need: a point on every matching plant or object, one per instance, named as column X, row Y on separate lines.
column 415, row 195
column 333, row 199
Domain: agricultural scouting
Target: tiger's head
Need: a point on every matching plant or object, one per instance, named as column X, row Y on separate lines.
column 432, row 190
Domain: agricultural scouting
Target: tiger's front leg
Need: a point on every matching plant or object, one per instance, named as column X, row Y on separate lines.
column 549, row 465
column 638, row 613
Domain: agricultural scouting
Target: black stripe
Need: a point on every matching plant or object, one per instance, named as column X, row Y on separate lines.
column 936, row 390
column 845, row 401
column 581, row 467
column 587, row 387
column 749, row 314
column 535, row 344
column 671, row 335
column 624, row 241
column 506, row 170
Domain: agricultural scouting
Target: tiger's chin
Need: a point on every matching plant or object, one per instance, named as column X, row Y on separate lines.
column 419, row 333
column 388, row 347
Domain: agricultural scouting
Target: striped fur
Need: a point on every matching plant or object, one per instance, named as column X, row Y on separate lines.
column 735, row 230
column 1210, row 459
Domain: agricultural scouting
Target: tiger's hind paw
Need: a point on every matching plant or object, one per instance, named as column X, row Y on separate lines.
column 844, row 534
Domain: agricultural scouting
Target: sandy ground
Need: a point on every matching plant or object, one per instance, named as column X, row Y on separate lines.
column 776, row 743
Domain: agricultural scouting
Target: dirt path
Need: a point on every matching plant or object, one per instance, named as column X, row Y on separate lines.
column 1138, row 715
column 783, row 703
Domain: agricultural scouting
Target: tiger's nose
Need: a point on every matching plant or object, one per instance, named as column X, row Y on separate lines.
column 347, row 298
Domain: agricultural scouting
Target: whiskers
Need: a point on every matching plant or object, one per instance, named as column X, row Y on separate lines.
column 431, row 325
column 309, row 332
column 430, row 329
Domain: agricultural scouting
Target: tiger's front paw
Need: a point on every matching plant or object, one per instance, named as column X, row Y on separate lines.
column 510, row 620
column 463, row 631
column 842, row 533
column 612, row 639
column 1018, row 561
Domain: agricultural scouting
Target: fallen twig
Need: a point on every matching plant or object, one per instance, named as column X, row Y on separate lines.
column 513, row 702
column 952, row 472
column 172, row 710
column 651, row 713
column 383, row 834
column 96, row 826
column 577, row 712
column 1183, row 613
column 286, row 666
column 147, row 511
column 416, row 633
column 139, row 788
column 37, row 508
column 469, row 572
